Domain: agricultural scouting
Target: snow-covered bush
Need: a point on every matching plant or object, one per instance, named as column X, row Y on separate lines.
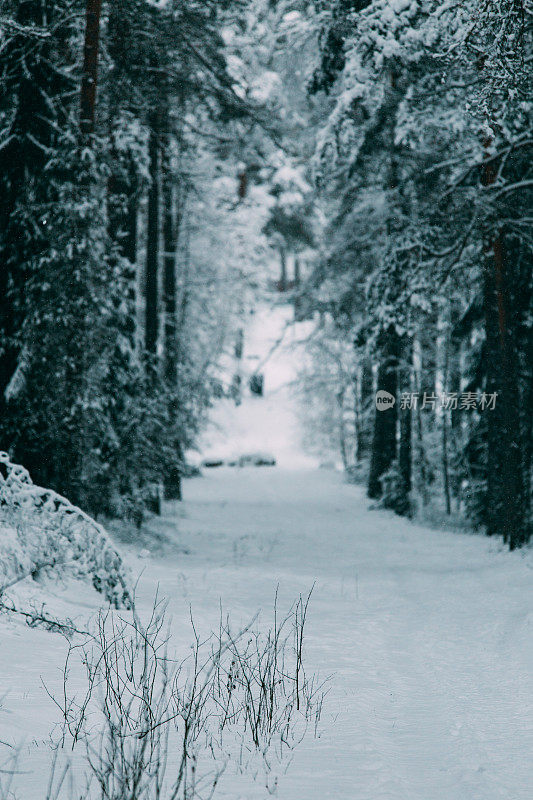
column 149, row 725
column 42, row 532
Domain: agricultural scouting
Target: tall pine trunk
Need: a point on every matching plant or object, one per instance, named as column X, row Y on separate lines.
column 507, row 509
column 172, row 480
column 455, row 372
column 441, row 387
column 297, row 272
column 384, row 446
column 423, row 469
column 403, row 504
column 170, row 238
column 506, row 493
column 90, row 66
column 362, row 406
column 283, row 269
column 152, row 243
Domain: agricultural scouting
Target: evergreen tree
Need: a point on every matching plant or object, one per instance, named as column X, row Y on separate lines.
column 429, row 154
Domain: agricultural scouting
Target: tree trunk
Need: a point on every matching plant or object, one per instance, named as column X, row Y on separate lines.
column 170, row 238
column 441, row 387
column 384, row 440
column 283, row 269
column 172, row 480
column 403, row 505
column 524, row 292
column 184, row 291
column 455, row 428
column 506, row 493
column 342, row 430
column 152, row 245
column 90, row 66
column 507, row 510
column 421, row 460
column 445, row 463
column 363, row 401
column 297, row 272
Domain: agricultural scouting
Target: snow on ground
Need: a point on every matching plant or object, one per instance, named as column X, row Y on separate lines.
column 427, row 635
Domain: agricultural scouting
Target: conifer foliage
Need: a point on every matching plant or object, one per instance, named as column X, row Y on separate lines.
column 380, row 153
column 423, row 163
column 95, row 400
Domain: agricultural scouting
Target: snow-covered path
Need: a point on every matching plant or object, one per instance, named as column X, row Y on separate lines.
column 427, row 634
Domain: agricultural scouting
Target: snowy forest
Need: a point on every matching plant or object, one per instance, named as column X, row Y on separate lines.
column 266, row 399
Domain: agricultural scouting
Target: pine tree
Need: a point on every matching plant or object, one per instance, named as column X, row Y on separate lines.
column 457, row 207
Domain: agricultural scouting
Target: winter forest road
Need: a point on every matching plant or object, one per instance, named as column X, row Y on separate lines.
column 426, row 635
